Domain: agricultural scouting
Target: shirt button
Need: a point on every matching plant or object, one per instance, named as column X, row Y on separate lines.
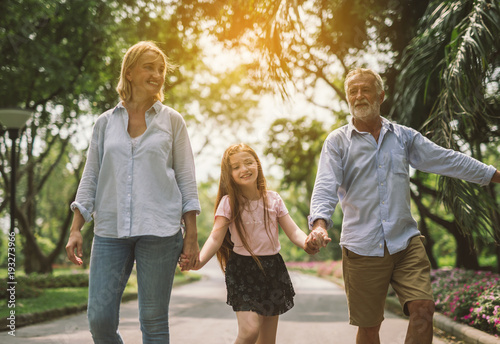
column 383, row 220
column 379, row 166
column 383, row 202
column 382, row 184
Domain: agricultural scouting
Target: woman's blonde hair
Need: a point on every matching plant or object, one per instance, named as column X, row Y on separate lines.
column 131, row 57
column 227, row 186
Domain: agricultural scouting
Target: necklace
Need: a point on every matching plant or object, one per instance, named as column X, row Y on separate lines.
column 253, row 211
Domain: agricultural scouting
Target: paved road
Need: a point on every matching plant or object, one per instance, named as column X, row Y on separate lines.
column 199, row 315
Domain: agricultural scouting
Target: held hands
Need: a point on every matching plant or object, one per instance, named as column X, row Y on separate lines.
column 186, row 264
column 190, row 256
column 317, row 239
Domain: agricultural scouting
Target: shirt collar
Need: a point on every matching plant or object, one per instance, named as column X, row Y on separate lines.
column 153, row 110
column 386, row 124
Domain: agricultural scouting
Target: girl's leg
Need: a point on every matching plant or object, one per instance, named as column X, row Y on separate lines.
column 268, row 329
column 249, row 324
column 156, row 259
column 111, row 262
column 256, row 329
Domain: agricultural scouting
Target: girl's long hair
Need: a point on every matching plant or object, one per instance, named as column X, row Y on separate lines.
column 227, row 186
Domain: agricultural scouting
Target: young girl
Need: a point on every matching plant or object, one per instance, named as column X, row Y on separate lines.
column 258, row 285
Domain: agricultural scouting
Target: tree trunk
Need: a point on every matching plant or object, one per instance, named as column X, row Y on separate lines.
column 466, row 255
column 429, row 243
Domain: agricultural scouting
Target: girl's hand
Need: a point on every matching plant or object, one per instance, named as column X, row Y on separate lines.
column 184, row 262
column 310, row 245
column 317, row 239
column 198, row 265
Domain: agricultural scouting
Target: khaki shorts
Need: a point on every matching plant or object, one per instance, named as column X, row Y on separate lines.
column 367, row 281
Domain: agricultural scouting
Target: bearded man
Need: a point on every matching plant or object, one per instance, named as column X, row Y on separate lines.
column 364, row 165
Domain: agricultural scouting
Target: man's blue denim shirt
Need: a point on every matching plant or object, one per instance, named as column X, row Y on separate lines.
column 371, row 182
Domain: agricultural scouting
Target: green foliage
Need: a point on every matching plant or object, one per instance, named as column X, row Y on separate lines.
column 62, row 61
column 295, row 145
column 32, row 285
column 466, row 296
column 207, row 192
column 451, row 66
column 315, row 41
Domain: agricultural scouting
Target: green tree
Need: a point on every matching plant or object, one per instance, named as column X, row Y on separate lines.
column 61, row 59
column 451, row 66
column 446, row 50
column 296, row 146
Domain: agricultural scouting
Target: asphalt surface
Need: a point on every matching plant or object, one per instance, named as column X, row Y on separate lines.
column 199, row 315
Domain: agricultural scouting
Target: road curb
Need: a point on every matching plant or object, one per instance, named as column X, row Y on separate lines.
column 465, row 333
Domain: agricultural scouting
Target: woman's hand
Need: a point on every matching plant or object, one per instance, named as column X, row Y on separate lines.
column 75, row 242
column 190, row 254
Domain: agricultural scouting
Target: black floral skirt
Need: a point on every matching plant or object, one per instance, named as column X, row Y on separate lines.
column 267, row 292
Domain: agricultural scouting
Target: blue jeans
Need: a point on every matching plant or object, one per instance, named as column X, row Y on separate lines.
column 111, row 263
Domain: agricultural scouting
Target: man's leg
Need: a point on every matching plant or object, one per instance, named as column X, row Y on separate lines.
column 411, row 281
column 420, row 327
column 368, row 335
column 366, row 281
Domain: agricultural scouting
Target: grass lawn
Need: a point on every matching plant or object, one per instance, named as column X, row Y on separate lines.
column 60, row 298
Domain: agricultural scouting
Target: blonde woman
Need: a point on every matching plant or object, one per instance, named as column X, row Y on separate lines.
column 139, row 187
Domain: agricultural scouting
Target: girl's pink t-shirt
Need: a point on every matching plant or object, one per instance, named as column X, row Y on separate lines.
column 262, row 242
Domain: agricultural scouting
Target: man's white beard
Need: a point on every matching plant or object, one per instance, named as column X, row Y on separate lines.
column 366, row 112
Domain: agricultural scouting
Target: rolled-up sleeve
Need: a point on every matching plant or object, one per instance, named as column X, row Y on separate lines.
column 85, row 196
column 183, row 165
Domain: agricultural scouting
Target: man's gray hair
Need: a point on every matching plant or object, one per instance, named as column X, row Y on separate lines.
column 379, row 83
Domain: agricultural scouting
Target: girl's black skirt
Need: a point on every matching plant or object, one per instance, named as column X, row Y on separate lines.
column 267, row 292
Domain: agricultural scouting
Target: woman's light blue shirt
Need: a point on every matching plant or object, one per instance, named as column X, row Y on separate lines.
column 143, row 190
column 371, row 181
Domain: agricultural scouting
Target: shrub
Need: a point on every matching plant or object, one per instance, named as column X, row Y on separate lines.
column 22, row 292
column 466, row 296
column 469, row 297
column 31, row 285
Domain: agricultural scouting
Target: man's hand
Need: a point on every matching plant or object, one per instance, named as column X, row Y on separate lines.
column 75, row 242
column 320, row 237
column 496, row 177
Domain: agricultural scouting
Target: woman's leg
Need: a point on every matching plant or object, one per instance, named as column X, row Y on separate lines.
column 156, row 259
column 111, row 262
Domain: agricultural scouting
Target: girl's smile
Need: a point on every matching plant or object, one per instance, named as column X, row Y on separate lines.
column 244, row 169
